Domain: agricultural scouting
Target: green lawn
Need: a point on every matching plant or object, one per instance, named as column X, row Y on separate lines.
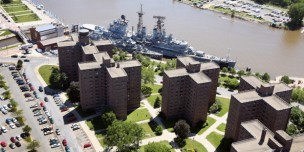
column 225, row 106
column 21, row 12
column 100, row 137
column 45, row 72
column 221, row 127
column 5, row 32
column 26, row 18
column 142, row 149
column 192, row 144
column 223, row 78
column 154, row 87
column 148, row 131
column 215, row 139
column 210, row 122
column 138, row 115
column 151, row 99
column 10, row 9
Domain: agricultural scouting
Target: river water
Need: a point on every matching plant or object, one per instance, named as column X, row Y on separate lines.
column 260, row 47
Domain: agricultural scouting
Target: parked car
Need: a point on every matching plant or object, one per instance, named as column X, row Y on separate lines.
column 3, row 144
column 26, row 60
column 3, row 129
column 87, row 145
column 18, row 144
column 40, row 89
column 12, row 146
column 64, row 142
column 46, row 99
column 23, row 56
column 13, row 139
column 14, row 56
column 27, row 94
column 18, row 137
column 64, row 109
column 12, row 68
column 57, row 131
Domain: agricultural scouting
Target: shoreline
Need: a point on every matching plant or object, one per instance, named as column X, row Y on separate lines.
column 210, row 7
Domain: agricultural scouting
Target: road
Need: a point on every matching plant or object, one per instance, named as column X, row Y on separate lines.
column 66, row 131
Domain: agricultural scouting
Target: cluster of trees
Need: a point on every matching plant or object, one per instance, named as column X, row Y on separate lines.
column 231, row 70
column 126, row 136
column 147, row 75
column 16, row 112
column 59, row 80
column 6, row 1
column 265, row 77
column 298, row 95
column 119, row 55
column 73, row 92
column 296, row 14
column 286, row 80
column 7, row 94
column 182, row 130
column 297, row 119
column 33, row 145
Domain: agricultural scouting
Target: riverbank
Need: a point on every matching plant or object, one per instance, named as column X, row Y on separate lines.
column 244, row 10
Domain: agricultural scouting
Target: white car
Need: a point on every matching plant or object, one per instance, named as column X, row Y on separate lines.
column 5, row 107
column 18, row 137
column 3, row 129
column 14, row 120
column 12, row 125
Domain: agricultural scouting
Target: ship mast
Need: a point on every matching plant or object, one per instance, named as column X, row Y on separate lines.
column 159, row 25
column 140, row 20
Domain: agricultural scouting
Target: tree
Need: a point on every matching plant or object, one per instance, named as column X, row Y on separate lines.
column 7, row 94
column 233, row 83
column 292, row 129
column 13, row 103
column 18, row 113
column 19, row 64
column 296, row 14
column 64, row 80
column 258, row 75
column 26, row 129
column 33, row 145
column 20, row 119
column 298, row 95
column 124, row 135
column 157, row 102
column 286, row 79
column 266, row 77
column 158, row 130
column 156, row 147
column 147, row 75
column 108, row 118
column 146, row 90
column 232, row 71
column 6, row 1
column 241, row 73
column 55, row 78
column 182, row 129
column 73, row 92
column 225, row 70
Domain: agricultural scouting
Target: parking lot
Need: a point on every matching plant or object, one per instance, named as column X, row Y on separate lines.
column 261, row 12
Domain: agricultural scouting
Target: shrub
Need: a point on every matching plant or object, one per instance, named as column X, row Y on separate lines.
column 158, row 130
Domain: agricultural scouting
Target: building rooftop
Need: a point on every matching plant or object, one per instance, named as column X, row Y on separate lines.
column 130, row 63
column 253, row 81
column 276, row 102
column 74, row 37
column 102, row 42
column 117, row 72
column 209, row 65
column 186, row 60
column 247, row 96
column 200, row 77
column 45, row 27
column 89, row 65
column 89, row 49
column 99, row 57
column 53, row 40
column 176, row 72
column 297, row 144
column 255, row 128
column 281, row 87
column 65, row 44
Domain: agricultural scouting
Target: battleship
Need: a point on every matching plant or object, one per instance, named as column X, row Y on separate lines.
column 156, row 44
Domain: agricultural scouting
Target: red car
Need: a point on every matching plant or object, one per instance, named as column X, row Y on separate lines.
column 64, row 142
column 41, row 104
column 27, row 95
column 64, row 109
column 3, row 144
column 32, row 88
column 87, row 145
column 13, row 139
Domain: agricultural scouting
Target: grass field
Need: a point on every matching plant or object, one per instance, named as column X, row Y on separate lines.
column 166, row 143
column 45, row 72
column 221, row 127
column 148, row 130
column 5, row 32
column 154, row 87
column 192, row 144
column 10, row 9
column 210, row 122
column 100, row 137
column 21, row 12
column 26, row 18
column 138, row 115
column 225, row 106
column 215, row 139
column 151, row 99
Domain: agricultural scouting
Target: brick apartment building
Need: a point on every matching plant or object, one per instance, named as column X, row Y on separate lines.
column 103, row 82
column 189, row 90
column 258, row 116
